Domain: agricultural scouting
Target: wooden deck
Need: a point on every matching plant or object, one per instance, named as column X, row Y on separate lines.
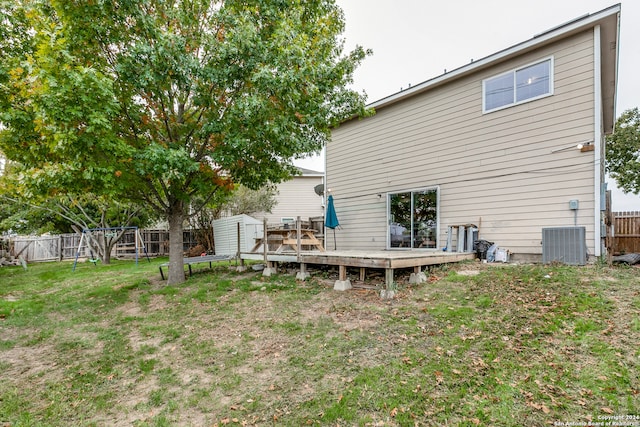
column 387, row 260
column 384, row 259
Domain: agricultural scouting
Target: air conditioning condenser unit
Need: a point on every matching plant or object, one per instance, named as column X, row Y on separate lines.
column 566, row 245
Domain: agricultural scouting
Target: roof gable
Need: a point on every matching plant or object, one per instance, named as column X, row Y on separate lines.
column 608, row 21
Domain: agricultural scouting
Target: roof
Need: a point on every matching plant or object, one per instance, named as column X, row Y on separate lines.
column 309, row 172
column 609, row 21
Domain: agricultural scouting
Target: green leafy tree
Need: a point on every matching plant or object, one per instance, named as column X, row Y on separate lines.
column 67, row 213
column 247, row 201
column 623, row 151
column 170, row 101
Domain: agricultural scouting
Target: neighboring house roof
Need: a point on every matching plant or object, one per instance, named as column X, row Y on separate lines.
column 609, row 22
column 309, row 172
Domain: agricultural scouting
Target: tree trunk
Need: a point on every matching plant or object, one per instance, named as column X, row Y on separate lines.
column 104, row 249
column 106, row 257
column 108, row 248
column 176, row 260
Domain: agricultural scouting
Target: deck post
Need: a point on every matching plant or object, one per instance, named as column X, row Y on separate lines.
column 241, row 267
column 363, row 274
column 269, row 268
column 390, row 291
column 343, row 283
column 299, row 237
column 302, row 274
column 417, row 276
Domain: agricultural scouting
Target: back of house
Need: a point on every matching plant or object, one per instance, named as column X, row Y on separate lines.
column 511, row 144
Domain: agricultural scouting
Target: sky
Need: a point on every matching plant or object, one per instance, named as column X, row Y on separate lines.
column 416, row 40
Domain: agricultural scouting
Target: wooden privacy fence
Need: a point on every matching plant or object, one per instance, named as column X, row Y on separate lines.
column 37, row 248
column 626, row 232
column 65, row 246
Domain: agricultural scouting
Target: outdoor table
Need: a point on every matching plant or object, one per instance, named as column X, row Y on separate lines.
column 288, row 239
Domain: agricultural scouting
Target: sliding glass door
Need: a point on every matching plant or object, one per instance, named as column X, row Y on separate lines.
column 413, row 219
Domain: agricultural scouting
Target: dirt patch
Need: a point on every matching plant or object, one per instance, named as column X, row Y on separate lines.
column 36, row 364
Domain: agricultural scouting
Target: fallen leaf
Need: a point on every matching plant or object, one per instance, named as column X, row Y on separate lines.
column 394, row 412
column 606, row 410
column 539, row 406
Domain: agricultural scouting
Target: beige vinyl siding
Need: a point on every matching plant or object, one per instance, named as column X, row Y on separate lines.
column 496, row 169
column 296, row 197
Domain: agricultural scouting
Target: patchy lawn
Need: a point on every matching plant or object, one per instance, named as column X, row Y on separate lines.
column 476, row 345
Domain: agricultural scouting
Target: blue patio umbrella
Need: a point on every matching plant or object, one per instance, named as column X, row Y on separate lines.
column 331, row 219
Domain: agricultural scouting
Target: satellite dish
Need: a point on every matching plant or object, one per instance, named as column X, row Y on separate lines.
column 319, row 189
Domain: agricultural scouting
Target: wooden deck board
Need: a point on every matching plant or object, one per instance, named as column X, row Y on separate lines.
column 370, row 259
column 384, row 259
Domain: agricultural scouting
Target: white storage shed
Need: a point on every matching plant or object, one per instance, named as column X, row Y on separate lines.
column 225, row 234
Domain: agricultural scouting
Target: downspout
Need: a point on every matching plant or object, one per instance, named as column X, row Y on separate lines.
column 597, row 140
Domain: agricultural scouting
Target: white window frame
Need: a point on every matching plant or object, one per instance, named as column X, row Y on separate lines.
column 513, row 72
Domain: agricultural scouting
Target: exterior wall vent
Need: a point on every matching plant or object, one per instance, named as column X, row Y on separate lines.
column 566, row 245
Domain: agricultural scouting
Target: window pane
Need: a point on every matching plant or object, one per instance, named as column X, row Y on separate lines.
column 533, row 81
column 425, row 215
column 400, row 220
column 498, row 92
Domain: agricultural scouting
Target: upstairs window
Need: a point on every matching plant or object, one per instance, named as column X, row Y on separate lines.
column 517, row 86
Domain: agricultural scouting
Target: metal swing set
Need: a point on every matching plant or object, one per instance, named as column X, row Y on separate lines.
column 109, row 232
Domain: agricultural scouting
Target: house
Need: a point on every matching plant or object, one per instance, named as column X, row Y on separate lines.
column 296, row 197
column 511, row 144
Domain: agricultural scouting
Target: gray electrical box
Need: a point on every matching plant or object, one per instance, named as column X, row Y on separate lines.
column 573, row 205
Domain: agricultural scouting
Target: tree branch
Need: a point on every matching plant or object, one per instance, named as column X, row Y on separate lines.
column 203, row 204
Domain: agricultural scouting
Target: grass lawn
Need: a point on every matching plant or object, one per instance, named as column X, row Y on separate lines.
column 476, row 345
